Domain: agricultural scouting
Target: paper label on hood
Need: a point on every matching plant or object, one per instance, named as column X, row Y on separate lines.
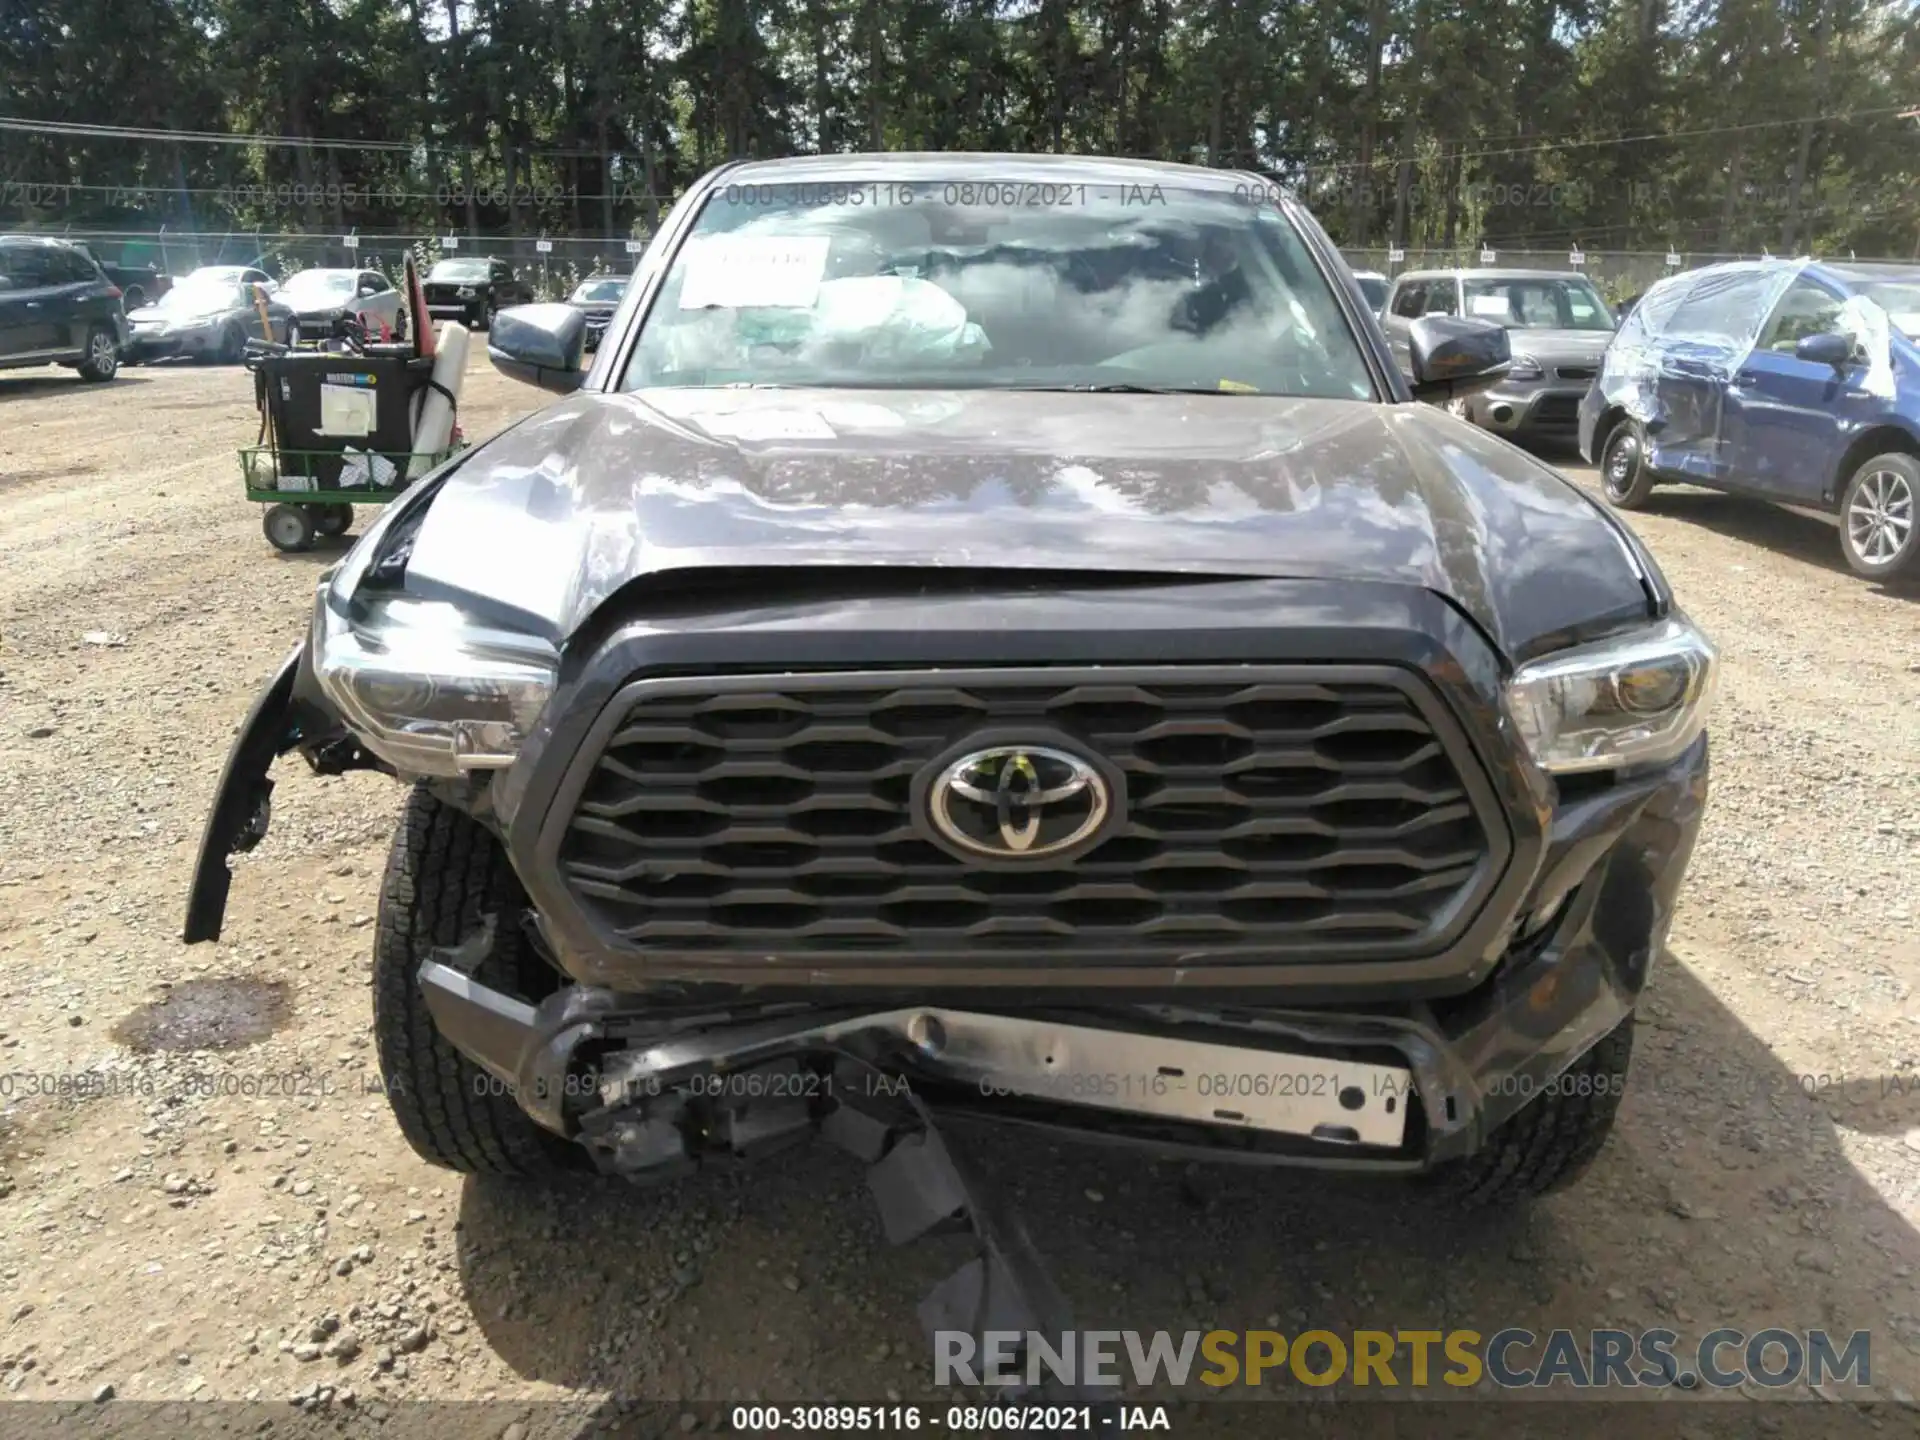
column 747, row 271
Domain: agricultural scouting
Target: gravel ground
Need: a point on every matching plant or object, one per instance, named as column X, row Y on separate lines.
column 199, row 1225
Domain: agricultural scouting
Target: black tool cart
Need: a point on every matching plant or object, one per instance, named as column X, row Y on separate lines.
column 335, row 428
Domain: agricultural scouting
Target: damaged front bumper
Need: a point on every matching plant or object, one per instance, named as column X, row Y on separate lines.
column 1397, row 1084
column 1388, row 1087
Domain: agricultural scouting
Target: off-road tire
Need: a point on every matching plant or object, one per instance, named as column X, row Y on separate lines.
column 1549, row 1144
column 1625, row 477
column 444, row 872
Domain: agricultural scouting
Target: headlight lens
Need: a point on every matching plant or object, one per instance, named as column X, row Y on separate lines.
column 430, row 690
column 1525, row 367
column 466, row 292
column 1639, row 698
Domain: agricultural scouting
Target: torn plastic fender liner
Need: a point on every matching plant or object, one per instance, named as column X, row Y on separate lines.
column 242, row 805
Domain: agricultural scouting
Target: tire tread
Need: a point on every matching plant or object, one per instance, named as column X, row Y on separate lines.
column 1549, row 1143
column 444, row 872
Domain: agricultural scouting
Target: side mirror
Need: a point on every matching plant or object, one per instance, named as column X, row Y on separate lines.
column 1452, row 356
column 539, row 345
column 1828, row 349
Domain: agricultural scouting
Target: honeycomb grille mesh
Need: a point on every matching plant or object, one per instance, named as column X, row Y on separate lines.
column 1271, row 815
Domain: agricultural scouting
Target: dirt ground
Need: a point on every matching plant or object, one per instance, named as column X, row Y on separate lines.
column 247, row 1223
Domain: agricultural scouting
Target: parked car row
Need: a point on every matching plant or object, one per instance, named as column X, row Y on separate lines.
column 61, row 304
column 1791, row 381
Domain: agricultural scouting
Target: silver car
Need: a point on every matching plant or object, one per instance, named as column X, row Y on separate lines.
column 1557, row 324
column 320, row 298
column 207, row 319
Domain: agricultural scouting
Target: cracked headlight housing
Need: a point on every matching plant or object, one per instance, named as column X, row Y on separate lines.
column 429, row 689
column 1639, row 698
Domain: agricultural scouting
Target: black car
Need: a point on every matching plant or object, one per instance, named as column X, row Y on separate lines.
column 471, row 288
column 1036, row 664
column 139, row 284
column 57, row 308
column 597, row 298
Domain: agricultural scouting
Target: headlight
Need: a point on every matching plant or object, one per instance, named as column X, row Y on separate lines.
column 466, row 292
column 429, row 689
column 1525, row 367
column 1639, row 698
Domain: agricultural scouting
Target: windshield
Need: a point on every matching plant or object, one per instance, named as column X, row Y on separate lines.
column 320, row 283
column 460, row 271
column 972, row 285
column 1900, row 298
column 1538, row 304
column 597, row 290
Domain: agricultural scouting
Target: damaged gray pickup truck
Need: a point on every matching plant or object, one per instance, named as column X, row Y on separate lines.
column 998, row 639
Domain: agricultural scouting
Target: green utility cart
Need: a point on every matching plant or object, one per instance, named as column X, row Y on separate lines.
column 335, row 430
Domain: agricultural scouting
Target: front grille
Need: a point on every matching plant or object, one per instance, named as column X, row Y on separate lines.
column 1576, row 372
column 1266, row 810
column 1556, row 410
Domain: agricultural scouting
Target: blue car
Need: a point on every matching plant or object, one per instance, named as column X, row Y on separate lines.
column 1791, row 381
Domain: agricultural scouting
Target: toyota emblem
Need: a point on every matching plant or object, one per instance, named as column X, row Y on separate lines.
column 1019, row 802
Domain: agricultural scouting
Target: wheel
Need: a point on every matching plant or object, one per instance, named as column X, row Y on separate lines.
column 233, row 345
column 1550, row 1143
column 444, row 872
column 103, row 355
column 487, row 312
column 1877, row 516
column 1624, row 473
column 288, row 528
column 332, row 519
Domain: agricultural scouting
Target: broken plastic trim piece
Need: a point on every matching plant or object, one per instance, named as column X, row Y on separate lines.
column 242, row 807
column 923, row 1188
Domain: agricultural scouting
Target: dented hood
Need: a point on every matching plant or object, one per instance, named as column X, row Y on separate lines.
column 547, row 520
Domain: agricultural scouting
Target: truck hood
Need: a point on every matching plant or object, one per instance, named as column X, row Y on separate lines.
column 541, row 524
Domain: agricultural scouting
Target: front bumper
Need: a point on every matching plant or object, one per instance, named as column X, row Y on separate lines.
column 162, row 344
column 1538, row 410
column 1554, row 959
column 1471, row 1061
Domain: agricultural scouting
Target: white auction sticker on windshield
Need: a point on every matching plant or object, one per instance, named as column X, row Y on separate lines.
column 748, row 271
